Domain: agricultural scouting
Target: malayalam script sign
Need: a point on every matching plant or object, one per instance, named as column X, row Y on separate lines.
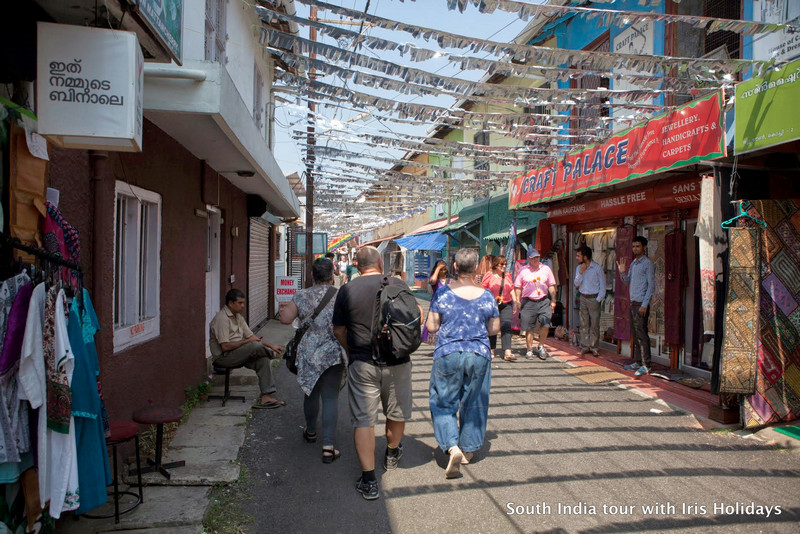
column 89, row 87
column 766, row 110
column 691, row 133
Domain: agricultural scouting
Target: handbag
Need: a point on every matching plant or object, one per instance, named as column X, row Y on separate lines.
column 290, row 353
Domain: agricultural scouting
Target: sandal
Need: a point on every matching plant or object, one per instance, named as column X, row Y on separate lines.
column 510, row 358
column 330, row 455
column 310, row 437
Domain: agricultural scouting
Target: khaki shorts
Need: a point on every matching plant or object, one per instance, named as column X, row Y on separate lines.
column 370, row 385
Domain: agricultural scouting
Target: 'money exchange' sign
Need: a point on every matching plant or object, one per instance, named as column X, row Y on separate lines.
column 689, row 134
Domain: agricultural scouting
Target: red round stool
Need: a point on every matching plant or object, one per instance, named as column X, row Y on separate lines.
column 121, row 432
column 158, row 415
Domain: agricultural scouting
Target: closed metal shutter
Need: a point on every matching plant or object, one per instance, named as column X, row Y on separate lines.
column 258, row 274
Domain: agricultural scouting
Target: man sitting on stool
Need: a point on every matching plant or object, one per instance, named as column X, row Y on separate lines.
column 233, row 345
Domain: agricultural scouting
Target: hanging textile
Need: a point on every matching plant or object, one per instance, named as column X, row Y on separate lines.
column 14, row 433
column 675, row 251
column 740, row 337
column 94, row 473
column 777, row 390
column 56, row 458
column 622, row 301
column 704, row 232
column 544, row 237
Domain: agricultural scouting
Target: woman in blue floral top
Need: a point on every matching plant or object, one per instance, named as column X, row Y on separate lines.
column 320, row 357
column 464, row 315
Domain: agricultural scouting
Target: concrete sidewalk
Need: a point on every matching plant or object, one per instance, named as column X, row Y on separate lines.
column 209, row 442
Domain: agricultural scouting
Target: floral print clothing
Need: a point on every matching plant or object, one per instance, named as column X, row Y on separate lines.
column 319, row 349
column 463, row 323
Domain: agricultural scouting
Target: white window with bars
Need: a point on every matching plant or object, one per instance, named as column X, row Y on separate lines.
column 137, row 266
column 258, row 96
column 216, row 30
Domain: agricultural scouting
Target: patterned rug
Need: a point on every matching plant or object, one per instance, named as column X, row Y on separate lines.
column 740, row 338
column 777, row 393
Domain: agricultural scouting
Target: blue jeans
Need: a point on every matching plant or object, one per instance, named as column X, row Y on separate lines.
column 460, row 384
column 327, row 387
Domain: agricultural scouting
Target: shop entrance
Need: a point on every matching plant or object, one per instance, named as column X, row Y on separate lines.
column 656, row 234
column 603, row 244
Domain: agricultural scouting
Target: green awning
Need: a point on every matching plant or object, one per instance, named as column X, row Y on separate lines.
column 461, row 223
column 523, row 225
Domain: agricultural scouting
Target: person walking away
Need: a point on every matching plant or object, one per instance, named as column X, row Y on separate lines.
column 234, row 345
column 372, row 382
column 320, row 358
column 464, row 316
column 500, row 285
column 590, row 282
column 641, row 280
column 535, row 295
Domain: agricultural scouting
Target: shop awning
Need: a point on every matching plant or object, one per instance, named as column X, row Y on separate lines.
column 522, row 226
column 378, row 241
column 462, row 223
column 431, row 226
column 426, row 241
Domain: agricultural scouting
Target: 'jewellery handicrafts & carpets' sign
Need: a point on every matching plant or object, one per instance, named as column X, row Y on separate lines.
column 691, row 133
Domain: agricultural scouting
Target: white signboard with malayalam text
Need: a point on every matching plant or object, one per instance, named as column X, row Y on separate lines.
column 89, row 86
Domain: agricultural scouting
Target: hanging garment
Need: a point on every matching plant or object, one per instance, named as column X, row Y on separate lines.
column 704, row 232
column 544, row 237
column 94, row 473
column 740, row 338
column 61, row 238
column 622, row 302
column 675, row 247
column 14, row 436
column 56, row 458
column 90, row 325
column 776, row 398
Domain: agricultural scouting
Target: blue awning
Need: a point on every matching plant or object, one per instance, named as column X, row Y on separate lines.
column 426, row 241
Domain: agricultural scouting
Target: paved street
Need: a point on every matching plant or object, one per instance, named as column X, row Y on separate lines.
column 573, row 456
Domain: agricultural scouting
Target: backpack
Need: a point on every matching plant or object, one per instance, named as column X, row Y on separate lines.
column 396, row 323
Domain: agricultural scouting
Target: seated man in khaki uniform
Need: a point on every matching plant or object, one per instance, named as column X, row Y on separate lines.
column 233, row 344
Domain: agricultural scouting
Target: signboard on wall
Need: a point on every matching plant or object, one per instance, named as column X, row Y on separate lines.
column 320, row 243
column 691, row 133
column 89, row 85
column 781, row 45
column 766, row 110
column 164, row 19
column 638, row 38
column 285, row 289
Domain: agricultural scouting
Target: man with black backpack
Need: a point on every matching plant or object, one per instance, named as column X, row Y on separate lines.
column 376, row 320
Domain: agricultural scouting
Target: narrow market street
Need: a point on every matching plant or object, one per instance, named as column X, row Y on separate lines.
column 571, row 455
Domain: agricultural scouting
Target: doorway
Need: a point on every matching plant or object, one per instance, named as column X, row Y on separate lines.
column 212, row 268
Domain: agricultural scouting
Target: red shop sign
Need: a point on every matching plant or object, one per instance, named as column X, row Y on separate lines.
column 684, row 194
column 691, row 133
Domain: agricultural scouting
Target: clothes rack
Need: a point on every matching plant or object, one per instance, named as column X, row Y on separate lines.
column 40, row 253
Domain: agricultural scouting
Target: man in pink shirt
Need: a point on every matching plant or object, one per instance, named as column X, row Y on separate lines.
column 535, row 297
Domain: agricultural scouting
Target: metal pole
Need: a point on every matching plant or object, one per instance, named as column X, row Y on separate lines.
column 447, row 248
column 310, row 160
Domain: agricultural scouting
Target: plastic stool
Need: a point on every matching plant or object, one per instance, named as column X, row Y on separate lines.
column 158, row 415
column 121, row 432
column 226, row 396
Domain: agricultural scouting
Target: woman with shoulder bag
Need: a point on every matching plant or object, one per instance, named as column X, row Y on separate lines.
column 320, row 357
column 500, row 285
